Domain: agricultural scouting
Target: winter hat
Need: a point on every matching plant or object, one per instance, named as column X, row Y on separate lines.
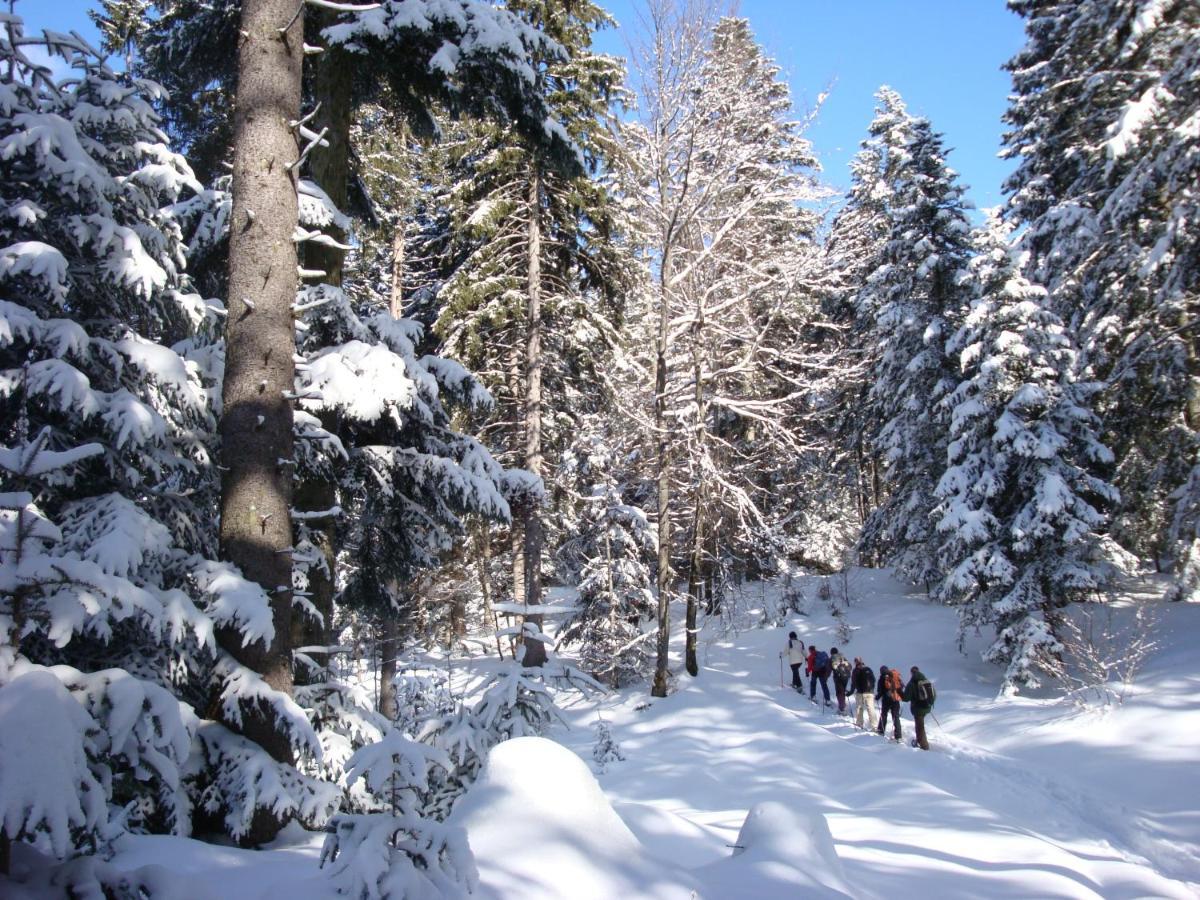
column 914, row 670
column 792, row 635
column 833, row 652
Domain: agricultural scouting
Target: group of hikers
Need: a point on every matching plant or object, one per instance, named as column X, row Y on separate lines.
column 889, row 689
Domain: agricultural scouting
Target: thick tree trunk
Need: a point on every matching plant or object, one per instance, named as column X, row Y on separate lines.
column 535, row 651
column 389, row 648
column 396, row 297
column 663, row 475
column 256, row 424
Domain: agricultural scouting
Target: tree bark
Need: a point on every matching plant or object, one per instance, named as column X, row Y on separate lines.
column 696, row 557
column 663, row 475
column 535, row 651
column 256, row 423
column 483, row 544
column 389, row 645
column 396, row 297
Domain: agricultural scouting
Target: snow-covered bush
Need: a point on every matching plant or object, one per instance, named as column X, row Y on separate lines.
column 516, row 702
column 1103, row 658
column 395, row 852
column 235, row 782
column 606, row 749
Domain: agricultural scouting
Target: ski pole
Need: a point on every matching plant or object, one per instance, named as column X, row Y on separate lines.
column 781, row 670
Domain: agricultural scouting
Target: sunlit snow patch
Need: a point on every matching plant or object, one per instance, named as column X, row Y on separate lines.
column 540, row 826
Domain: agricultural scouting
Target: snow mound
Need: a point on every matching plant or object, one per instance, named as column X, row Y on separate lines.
column 540, row 826
column 780, row 852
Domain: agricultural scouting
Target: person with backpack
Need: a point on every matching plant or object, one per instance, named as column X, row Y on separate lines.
column 795, row 658
column 920, row 695
column 819, row 660
column 862, row 683
column 889, row 691
column 840, row 666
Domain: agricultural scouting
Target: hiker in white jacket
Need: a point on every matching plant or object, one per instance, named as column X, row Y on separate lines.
column 795, row 658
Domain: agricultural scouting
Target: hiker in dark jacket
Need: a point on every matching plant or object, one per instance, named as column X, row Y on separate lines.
column 819, row 666
column 862, row 683
column 840, row 666
column 920, row 703
column 888, row 692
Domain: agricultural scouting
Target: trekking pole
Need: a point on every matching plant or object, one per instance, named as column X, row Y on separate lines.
column 781, row 670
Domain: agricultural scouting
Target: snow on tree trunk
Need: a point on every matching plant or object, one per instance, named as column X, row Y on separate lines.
column 256, row 424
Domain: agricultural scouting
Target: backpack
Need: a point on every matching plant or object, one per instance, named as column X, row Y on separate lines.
column 868, row 681
column 892, row 685
column 865, row 680
column 841, row 668
column 821, row 662
column 926, row 693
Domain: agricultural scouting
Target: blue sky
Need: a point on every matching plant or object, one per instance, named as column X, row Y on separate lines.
column 943, row 56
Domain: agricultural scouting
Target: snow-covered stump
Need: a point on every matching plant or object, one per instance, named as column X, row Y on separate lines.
column 780, row 852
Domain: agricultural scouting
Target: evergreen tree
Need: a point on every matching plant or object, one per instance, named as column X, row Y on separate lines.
column 1022, row 500
column 914, row 296
column 533, row 296
column 109, row 358
column 853, row 250
column 123, row 25
column 1102, row 125
column 616, row 544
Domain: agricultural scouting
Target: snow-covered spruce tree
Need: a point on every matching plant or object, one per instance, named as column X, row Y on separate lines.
column 517, row 701
column 915, row 296
column 397, row 853
column 617, row 545
column 532, row 298
column 259, row 373
column 1103, row 124
column 186, row 49
column 1023, row 498
column 104, row 432
column 853, row 250
column 104, row 348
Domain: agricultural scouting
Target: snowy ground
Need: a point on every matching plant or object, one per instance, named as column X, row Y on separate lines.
column 1019, row 798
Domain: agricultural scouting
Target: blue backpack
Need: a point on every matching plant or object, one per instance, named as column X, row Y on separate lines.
column 821, row 662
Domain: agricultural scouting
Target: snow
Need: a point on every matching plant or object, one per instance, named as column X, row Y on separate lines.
column 538, row 808
column 736, row 787
column 45, row 786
